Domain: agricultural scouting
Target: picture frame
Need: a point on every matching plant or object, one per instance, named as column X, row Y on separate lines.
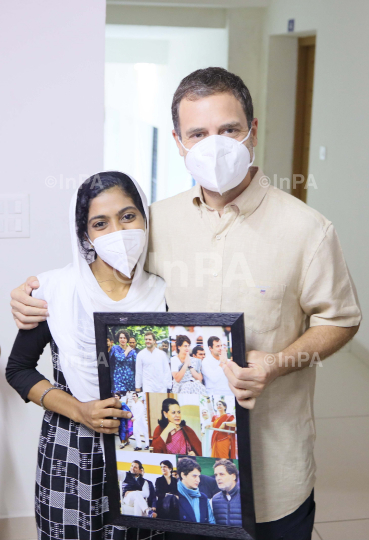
column 234, row 323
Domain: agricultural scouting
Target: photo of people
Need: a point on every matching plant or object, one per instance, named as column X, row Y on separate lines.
column 218, row 426
column 176, row 487
column 134, row 431
column 178, row 359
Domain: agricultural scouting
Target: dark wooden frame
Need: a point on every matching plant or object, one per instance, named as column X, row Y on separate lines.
column 235, row 321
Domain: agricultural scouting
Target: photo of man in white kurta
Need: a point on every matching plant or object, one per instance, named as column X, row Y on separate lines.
column 152, row 368
column 140, row 426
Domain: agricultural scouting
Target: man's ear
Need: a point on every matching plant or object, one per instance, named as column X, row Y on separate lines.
column 179, row 146
column 254, row 132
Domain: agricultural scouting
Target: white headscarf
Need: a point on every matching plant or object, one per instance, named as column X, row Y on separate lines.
column 73, row 295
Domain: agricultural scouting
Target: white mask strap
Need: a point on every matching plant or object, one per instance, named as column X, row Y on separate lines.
column 247, row 136
column 188, row 149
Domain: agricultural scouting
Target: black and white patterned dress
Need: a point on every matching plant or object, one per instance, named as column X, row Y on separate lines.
column 70, row 481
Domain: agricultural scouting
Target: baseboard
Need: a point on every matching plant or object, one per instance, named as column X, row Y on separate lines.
column 18, row 528
column 360, row 351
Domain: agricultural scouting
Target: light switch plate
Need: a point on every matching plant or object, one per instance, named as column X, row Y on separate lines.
column 14, row 216
column 322, row 152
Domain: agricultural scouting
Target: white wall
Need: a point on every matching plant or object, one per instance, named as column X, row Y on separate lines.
column 148, row 64
column 51, row 110
column 339, row 121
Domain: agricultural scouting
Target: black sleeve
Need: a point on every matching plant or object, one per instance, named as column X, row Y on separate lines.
column 21, row 372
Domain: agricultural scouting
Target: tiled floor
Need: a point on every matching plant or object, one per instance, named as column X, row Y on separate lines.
column 342, row 449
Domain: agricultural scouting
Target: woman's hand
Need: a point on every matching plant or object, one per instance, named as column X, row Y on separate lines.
column 222, row 426
column 192, row 453
column 164, row 434
column 127, row 350
column 98, row 415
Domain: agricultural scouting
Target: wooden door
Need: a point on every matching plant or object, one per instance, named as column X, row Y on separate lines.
column 304, row 101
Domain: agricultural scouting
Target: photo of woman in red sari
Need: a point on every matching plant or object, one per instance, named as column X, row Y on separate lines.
column 223, row 443
column 172, row 435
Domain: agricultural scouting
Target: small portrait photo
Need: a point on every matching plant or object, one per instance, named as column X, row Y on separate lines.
column 218, row 426
column 209, row 491
column 134, row 431
column 147, row 486
column 139, row 358
column 197, row 354
column 175, row 424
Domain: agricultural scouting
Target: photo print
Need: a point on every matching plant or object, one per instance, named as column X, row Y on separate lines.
column 176, row 456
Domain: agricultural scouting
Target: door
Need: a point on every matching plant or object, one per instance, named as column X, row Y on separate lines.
column 304, row 101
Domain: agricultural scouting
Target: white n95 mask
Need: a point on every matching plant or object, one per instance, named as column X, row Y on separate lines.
column 219, row 163
column 121, row 249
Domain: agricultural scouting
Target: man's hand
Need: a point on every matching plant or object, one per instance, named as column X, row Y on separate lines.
column 248, row 383
column 27, row 311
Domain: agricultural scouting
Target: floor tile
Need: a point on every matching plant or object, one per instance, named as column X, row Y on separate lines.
column 315, row 535
column 342, row 386
column 342, row 457
column 344, row 530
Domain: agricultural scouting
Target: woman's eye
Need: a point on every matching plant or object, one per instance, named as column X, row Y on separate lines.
column 99, row 224
column 128, row 217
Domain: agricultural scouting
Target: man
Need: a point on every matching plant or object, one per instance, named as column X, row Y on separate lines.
column 198, row 352
column 193, row 505
column 152, row 368
column 165, row 347
column 227, row 503
column 137, row 492
column 133, row 344
column 109, row 343
column 139, row 422
column 212, row 368
column 253, row 249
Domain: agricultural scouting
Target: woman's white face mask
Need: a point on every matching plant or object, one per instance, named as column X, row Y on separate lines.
column 219, row 163
column 121, row 249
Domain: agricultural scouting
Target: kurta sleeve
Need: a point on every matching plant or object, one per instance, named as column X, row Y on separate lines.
column 138, row 376
column 328, row 294
column 21, row 372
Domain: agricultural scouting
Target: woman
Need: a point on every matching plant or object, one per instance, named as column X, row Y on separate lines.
column 107, row 213
column 172, row 436
column 123, row 364
column 186, row 370
column 223, row 445
column 126, row 424
column 166, row 492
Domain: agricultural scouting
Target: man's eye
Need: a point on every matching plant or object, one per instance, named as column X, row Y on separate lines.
column 196, row 135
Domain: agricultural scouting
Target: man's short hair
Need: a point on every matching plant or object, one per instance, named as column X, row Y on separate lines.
column 140, row 466
column 151, row 334
column 207, row 82
column 228, row 465
column 186, row 465
column 211, row 340
column 196, row 349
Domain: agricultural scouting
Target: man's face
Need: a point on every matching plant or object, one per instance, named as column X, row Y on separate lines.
column 200, row 355
column 216, row 349
column 149, row 342
column 165, row 347
column 135, row 398
column 192, row 480
column 225, row 481
column 132, row 343
column 135, row 469
column 219, row 114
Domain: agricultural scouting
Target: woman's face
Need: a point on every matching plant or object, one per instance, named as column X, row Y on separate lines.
column 122, row 340
column 184, row 348
column 112, row 211
column 165, row 469
column 174, row 414
column 220, row 407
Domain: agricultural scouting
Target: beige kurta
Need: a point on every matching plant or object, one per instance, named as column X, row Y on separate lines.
column 280, row 262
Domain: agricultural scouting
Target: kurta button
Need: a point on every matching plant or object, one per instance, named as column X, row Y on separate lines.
column 242, row 217
column 218, row 237
column 215, row 274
